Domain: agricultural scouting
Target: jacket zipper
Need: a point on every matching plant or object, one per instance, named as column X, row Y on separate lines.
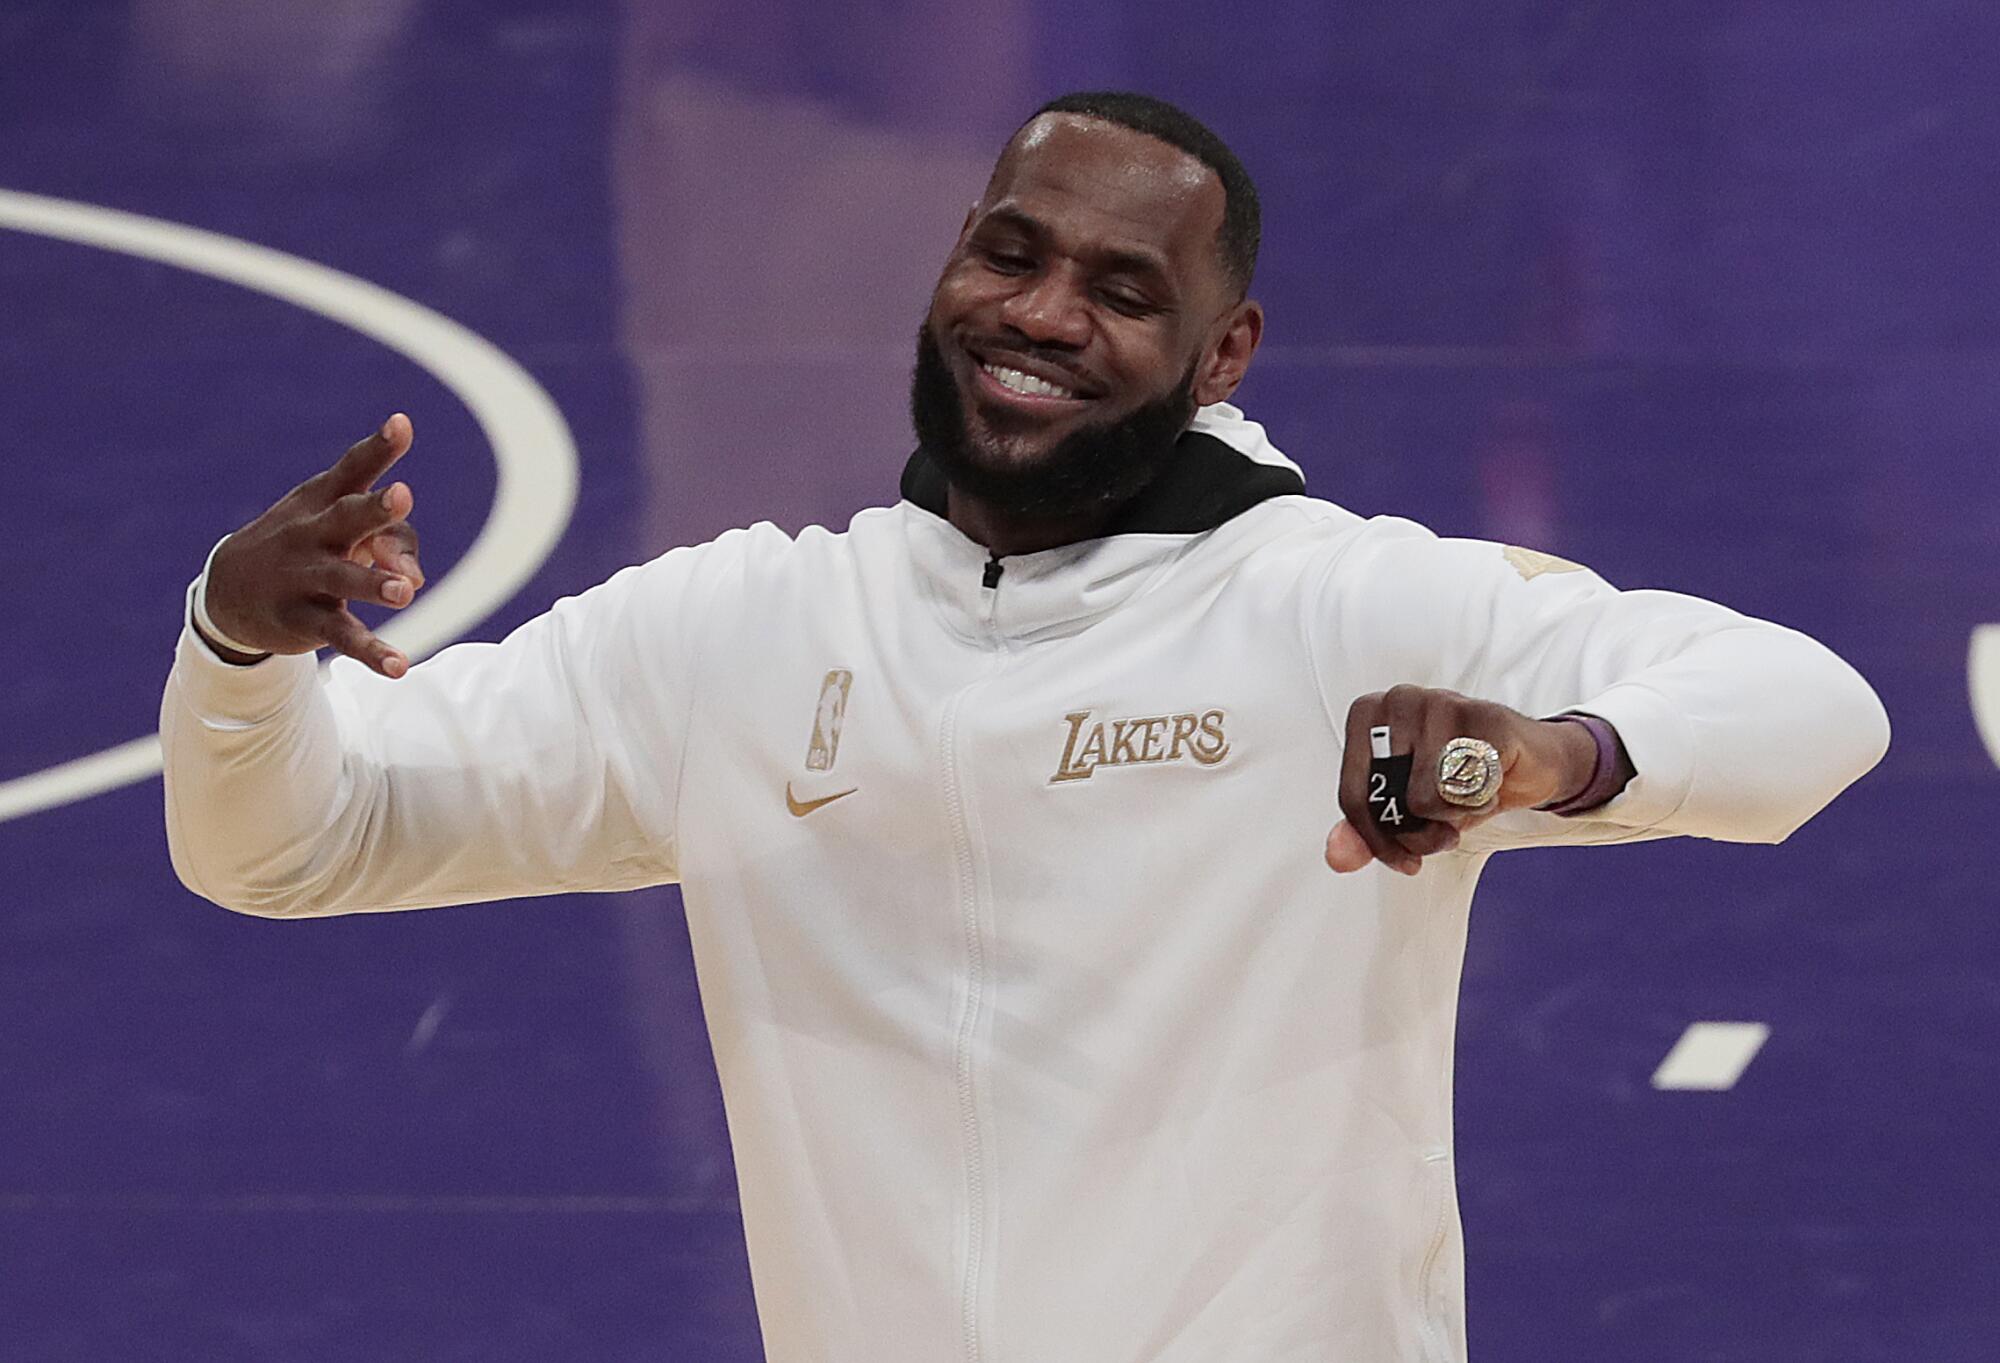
column 968, row 1028
column 975, row 988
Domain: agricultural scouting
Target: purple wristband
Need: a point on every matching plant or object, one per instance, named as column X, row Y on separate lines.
column 1603, row 783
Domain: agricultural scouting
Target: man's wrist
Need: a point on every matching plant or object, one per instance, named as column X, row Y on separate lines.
column 234, row 656
column 1609, row 767
column 232, row 651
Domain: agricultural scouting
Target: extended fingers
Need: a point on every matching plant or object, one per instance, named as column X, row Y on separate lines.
column 348, row 635
column 342, row 580
column 368, row 459
column 360, row 515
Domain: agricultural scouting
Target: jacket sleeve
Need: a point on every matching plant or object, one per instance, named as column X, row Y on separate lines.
column 548, row 762
column 1739, row 729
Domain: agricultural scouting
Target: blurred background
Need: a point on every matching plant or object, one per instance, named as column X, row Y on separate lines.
column 1702, row 295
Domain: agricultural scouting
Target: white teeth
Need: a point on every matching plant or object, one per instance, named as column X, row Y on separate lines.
column 1026, row 383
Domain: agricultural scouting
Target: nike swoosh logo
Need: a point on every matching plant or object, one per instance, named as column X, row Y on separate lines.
column 801, row 808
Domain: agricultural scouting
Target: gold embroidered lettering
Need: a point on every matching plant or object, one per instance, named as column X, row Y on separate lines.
column 1092, row 756
column 1139, row 741
column 1123, row 731
column 1212, row 746
column 1064, row 770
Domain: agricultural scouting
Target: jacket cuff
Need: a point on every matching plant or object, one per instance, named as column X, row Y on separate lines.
column 1660, row 742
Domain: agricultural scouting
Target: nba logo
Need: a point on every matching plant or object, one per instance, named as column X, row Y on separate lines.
column 827, row 718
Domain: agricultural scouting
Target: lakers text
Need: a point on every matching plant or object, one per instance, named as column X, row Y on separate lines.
column 1140, row 741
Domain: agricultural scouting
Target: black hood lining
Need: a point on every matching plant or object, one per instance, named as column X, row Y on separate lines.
column 1205, row 482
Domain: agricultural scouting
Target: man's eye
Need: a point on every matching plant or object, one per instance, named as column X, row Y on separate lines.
column 1009, row 262
column 1131, row 304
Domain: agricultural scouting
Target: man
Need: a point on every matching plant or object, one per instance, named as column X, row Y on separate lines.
column 1001, row 818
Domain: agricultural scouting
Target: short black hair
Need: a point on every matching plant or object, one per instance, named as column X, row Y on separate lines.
column 1242, row 219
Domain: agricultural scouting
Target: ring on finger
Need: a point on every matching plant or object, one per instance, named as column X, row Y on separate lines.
column 1468, row 772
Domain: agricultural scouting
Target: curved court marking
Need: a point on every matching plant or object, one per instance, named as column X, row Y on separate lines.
column 531, row 443
column 1983, row 679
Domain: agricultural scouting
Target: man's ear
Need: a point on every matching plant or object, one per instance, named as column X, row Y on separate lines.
column 1231, row 352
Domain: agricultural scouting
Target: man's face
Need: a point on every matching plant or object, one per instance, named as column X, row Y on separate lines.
column 1083, row 313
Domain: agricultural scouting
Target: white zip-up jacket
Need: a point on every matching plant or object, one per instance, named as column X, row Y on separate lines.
column 1044, row 1032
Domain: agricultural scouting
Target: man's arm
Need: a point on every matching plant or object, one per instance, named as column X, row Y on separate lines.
column 1733, row 728
column 544, row 763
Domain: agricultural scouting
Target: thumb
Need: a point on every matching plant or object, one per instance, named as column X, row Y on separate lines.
column 1345, row 851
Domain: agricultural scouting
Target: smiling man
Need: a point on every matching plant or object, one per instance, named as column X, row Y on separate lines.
column 1096, row 299
column 1002, row 817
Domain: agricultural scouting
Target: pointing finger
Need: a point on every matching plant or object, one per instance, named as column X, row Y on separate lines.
column 367, row 460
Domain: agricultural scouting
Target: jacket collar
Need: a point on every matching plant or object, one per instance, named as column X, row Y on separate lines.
column 1221, row 467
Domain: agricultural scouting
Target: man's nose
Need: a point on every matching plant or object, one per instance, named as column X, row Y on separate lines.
column 1048, row 309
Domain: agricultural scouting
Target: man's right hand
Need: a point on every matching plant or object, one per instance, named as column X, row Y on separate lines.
column 281, row 584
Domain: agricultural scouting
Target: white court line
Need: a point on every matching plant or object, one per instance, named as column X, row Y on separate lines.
column 1983, row 678
column 1711, row 1055
column 531, row 443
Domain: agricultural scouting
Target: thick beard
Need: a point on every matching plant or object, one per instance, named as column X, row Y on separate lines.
column 1091, row 469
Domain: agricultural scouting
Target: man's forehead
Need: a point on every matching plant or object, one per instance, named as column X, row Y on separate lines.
column 1124, row 180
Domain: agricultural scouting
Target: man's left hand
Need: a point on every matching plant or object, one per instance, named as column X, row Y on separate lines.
column 1541, row 762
